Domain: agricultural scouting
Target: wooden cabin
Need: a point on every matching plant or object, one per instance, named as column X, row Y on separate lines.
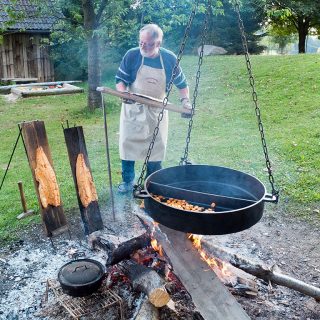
column 24, row 54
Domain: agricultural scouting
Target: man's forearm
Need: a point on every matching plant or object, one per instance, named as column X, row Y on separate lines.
column 120, row 86
column 184, row 93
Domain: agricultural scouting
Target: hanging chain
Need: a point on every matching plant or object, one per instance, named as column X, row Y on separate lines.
column 184, row 160
column 139, row 186
column 255, row 101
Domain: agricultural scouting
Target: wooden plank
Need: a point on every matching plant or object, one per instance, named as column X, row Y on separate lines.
column 4, row 60
column 38, row 59
column 11, row 63
column 209, row 295
column 143, row 100
column 2, row 67
column 76, row 145
column 25, row 57
column 34, row 135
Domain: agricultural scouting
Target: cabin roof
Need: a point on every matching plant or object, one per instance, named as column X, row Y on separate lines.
column 31, row 21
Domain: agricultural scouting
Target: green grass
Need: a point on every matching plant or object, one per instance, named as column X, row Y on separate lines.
column 225, row 132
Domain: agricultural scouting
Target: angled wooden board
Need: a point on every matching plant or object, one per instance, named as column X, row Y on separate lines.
column 34, row 136
column 210, row 296
column 75, row 141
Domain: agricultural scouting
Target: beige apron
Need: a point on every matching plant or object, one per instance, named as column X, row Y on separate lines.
column 137, row 122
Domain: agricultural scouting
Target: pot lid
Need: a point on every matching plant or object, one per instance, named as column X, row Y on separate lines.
column 80, row 272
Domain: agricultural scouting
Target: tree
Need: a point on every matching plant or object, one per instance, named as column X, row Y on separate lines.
column 89, row 22
column 294, row 16
column 224, row 30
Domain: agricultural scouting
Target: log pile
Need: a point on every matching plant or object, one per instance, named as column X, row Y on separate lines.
column 160, row 286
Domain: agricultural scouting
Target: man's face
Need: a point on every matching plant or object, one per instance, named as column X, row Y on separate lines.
column 148, row 46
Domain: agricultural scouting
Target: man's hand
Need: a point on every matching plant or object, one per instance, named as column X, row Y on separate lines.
column 186, row 105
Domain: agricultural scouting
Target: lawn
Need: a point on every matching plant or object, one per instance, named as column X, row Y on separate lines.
column 225, row 132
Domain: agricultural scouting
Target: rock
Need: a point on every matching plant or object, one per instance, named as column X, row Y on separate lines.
column 209, row 50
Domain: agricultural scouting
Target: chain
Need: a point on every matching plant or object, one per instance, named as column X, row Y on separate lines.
column 255, row 101
column 139, row 185
column 184, row 159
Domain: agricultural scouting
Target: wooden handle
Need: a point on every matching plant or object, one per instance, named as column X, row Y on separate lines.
column 147, row 101
column 23, row 199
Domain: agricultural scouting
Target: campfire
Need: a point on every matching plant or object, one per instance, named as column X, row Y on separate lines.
column 170, row 272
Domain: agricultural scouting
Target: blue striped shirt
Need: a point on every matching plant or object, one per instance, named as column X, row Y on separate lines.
column 131, row 62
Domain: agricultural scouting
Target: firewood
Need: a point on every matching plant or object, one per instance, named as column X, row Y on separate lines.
column 209, row 295
column 268, row 274
column 146, row 310
column 146, row 280
column 115, row 250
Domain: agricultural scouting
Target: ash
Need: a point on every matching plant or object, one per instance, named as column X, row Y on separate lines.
column 278, row 239
column 27, row 264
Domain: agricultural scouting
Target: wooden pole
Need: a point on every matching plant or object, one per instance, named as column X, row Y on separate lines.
column 263, row 272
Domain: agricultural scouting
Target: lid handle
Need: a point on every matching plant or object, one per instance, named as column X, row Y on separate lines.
column 78, row 267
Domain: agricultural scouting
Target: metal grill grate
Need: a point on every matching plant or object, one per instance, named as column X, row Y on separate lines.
column 77, row 307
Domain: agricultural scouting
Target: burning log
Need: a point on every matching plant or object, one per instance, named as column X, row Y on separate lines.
column 118, row 251
column 209, row 295
column 146, row 280
column 263, row 272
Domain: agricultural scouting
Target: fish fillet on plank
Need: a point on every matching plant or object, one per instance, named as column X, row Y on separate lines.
column 87, row 190
column 48, row 187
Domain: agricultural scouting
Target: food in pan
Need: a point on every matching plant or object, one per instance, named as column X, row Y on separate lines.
column 183, row 204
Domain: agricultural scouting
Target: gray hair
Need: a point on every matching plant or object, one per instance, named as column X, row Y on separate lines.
column 154, row 30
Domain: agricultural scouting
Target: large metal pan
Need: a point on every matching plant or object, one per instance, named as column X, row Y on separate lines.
column 239, row 198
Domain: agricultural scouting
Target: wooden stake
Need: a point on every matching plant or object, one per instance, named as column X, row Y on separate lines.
column 25, row 212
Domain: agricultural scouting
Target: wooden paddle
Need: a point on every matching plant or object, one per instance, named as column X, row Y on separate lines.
column 156, row 103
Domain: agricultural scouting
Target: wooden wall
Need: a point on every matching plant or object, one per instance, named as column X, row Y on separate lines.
column 24, row 56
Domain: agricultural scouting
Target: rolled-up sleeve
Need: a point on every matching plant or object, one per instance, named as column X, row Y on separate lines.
column 179, row 79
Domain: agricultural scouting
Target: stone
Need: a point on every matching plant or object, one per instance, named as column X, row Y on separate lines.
column 209, row 50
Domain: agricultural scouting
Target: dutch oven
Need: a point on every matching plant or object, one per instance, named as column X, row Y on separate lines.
column 82, row 277
column 239, row 198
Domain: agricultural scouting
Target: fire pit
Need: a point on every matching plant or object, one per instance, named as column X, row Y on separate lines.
column 31, row 90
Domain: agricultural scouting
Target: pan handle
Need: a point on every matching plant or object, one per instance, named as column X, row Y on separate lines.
column 270, row 198
column 141, row 194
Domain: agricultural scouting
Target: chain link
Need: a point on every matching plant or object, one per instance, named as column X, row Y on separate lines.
column 184, row 159
column 255, row 101
column 139, row 186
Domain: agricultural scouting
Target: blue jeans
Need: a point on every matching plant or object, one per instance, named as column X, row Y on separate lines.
column 128, row 169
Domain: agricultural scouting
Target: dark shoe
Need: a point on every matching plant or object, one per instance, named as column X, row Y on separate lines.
column 125, row 187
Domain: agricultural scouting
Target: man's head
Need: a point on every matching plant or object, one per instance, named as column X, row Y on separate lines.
column 150, row 39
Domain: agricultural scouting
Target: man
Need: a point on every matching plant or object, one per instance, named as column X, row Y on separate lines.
column 146, row 70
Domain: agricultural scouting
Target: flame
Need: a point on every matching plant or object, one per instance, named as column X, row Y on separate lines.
column 156, row 247
column 221, row 268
